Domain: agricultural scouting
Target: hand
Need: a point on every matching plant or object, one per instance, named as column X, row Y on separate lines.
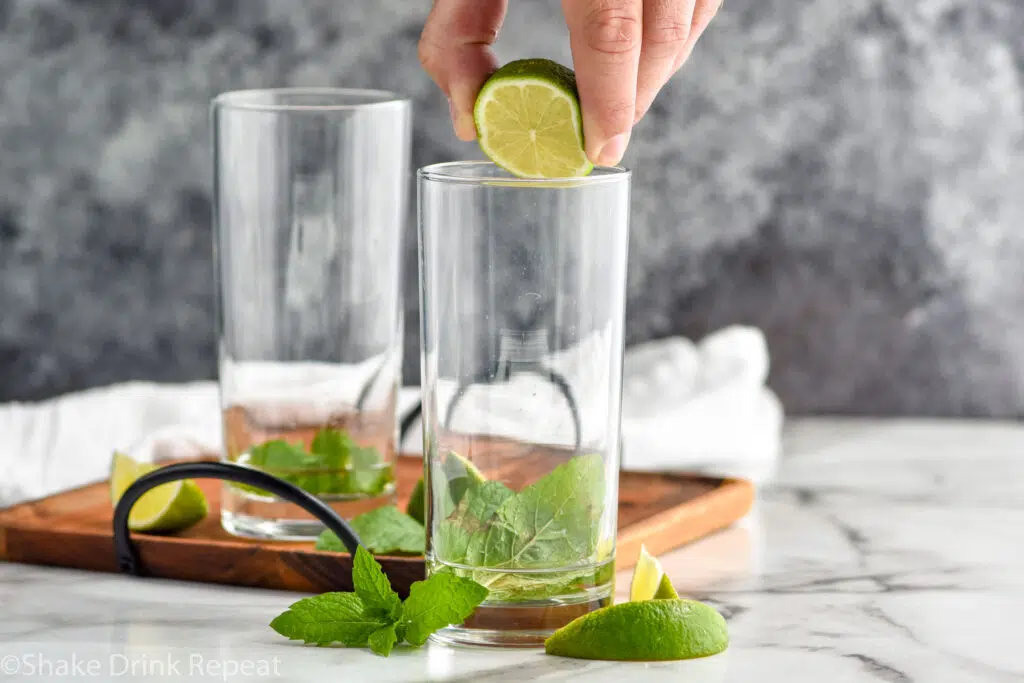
column 623, row 53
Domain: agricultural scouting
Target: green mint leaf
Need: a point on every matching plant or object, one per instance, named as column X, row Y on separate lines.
column 457, row 488
column 461, row 475
column 482, row 502
column 452, row 541
column 329, row 541
column 383, row 530
column 335, row 464
column 280, row 455
column 442, row 600
column 396, row 616
column 333, row 448
column 446, row 506
column 372, row 586
column 328, row 618
column 280, row 458
column 383, row 640
column 388, row 530
column 400, row 630
column 417, row 505
column 476, row 510
column 551, row 522
column 368, row 476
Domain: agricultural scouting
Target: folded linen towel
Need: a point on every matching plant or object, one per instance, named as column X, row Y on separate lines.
column 686, row 407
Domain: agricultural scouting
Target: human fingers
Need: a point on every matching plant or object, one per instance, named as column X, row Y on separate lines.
column 605, row 37
column 667, row 26
column 455, row 50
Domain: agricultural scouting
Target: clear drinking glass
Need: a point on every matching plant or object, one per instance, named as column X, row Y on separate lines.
column 522, row 286
column 310, row 189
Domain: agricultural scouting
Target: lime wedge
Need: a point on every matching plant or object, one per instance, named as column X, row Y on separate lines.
column 649, row 580
column 165, row 509
column 459, row 466
column 666, row 591
column 462, row 475
column 528, row 120
column 652, row 630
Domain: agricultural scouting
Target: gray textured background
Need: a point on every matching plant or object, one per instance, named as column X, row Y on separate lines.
column 849, row 176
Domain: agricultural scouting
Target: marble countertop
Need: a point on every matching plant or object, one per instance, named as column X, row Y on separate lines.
column 886, row 551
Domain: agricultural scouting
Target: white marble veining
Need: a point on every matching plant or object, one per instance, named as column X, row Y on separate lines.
column 888, row 551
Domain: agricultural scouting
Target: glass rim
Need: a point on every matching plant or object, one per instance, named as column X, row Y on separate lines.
column 446, row 172
column 261, row 99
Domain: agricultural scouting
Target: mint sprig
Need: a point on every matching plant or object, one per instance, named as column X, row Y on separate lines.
column 441, row 600
column 373, row 587
column 329, row 618
column 373, row 616
column 383, row 640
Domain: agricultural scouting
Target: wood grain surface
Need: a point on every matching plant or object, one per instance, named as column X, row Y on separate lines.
column 73, row 529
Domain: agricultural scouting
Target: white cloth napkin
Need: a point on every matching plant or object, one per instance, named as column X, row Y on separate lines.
column 685, row 407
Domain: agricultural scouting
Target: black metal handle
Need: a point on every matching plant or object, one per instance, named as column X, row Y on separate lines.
column 128, row 556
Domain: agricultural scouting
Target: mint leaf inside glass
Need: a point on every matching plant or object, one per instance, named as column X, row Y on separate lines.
column 334, row 465
column 553, row 523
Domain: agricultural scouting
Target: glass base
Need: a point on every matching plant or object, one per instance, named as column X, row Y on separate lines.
column 247, row 526
column 457, row 635
column 253, row 516
column 523, row 625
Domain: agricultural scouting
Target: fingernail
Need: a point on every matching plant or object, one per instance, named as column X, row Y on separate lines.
column 613, row 150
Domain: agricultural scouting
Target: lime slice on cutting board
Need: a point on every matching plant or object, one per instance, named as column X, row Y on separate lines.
column 529, row 122
column 170, row 507
column 650, row 582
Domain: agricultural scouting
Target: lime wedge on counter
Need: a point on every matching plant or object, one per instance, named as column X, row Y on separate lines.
column 650, row 582
column 651, row 630
column 165, row 509
column 528, row 120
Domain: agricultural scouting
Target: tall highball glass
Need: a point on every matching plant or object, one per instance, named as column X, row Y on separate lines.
column 310, row 198
column 522, row 286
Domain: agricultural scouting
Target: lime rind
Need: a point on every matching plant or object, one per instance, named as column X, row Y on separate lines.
column 666, row 591
column 470, row 470
column 529, row 121
column 650, row 630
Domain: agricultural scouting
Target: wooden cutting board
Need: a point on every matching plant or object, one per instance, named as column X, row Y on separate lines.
column 73, row 529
